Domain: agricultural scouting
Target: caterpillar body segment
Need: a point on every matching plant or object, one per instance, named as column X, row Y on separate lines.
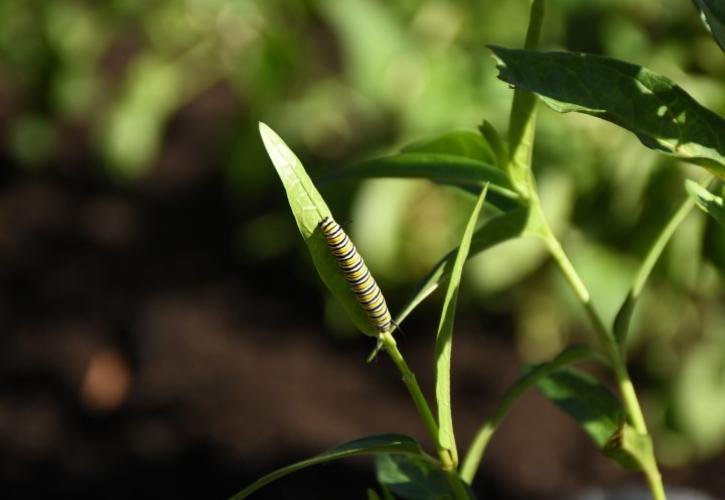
column 357, row 274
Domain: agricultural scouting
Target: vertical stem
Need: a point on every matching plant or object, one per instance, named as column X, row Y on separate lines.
column 416, row 394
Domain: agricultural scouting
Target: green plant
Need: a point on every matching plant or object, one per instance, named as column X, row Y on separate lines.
column 664, row 118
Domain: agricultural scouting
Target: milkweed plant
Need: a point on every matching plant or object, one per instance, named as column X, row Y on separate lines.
column 498, row 173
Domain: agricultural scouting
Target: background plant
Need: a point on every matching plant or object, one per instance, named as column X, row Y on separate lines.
column 181, row 85
column 659, row 113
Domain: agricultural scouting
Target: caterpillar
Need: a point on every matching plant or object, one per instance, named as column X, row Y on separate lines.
column 357, row 274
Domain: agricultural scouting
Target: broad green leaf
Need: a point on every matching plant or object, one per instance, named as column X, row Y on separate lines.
column 412, row 478
column 512, row 395
column 309, row 209
column 592, row 405
column 495, row 230
column 708, row 202
column 662, row 115
column 371, row 445
column 713, row 15
column 437, row 167
column 462, row 143
column 624, row 315
column 444, row 336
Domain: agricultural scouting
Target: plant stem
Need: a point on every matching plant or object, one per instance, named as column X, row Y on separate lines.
column 456, row 486
column 391, row 347
column 611, row 348
column 606, row 338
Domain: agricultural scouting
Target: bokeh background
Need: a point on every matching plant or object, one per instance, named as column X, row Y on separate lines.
column 162, row 330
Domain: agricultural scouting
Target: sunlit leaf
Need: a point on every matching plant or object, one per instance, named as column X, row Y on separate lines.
column 708, row 202
column 444, row 336
column 713, row 15
column 411, row 478
column 371, row 445
column 309, row 209
column 662, row 115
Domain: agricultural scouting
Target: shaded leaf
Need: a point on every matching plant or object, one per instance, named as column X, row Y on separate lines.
column 371, row 445
column 309, row 208
column 713, row 15
column 586, row 400
column 412, row 478
column 495, row 142
column 444, row 336
column 662, row 115
column 708, row 202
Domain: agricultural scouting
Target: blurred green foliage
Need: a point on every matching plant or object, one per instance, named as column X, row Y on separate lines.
column 345, row 80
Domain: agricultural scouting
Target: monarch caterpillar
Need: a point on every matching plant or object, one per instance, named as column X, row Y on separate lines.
column 357, row 274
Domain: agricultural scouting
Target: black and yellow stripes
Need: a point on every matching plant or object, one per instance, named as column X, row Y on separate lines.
column 357, row 275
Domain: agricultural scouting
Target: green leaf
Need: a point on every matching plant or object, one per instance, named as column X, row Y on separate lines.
column 412, row 478
column 371, row 445
column 495, row 230
column 708, row 202
column 529, row 379
column 587, row 401
column 309, row 208
column 372, row 495
column 444, row 336
column 624, row 315
column 438, row 167
column 499, row 148
column 662, row 115
column 713, row 15
column 462, row 143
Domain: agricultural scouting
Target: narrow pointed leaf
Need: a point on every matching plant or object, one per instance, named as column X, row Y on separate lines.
column 495, row 142
column 528, row 380
column 371, row 445
column 713, row 15
column 624, row 315
column 662, row 115
column 309, row 208
column 708, row 202
column 494, row 231
column 444, row 337
column 413, row 479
